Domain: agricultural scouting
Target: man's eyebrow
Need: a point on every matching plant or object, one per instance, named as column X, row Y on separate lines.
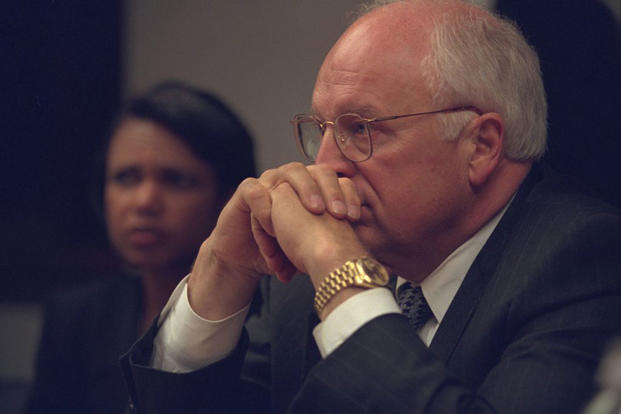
column 368, row 111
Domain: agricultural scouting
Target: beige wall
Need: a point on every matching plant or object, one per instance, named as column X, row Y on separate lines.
column 260, row 56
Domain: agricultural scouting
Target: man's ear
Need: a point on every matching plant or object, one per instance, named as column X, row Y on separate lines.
column 487, row 136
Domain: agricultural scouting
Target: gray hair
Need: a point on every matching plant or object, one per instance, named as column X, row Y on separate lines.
column 485, row 62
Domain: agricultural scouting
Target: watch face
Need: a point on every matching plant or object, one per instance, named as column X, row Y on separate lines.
column 375, row 271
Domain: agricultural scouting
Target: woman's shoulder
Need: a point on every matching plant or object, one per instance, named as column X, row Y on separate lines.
column 102, row 293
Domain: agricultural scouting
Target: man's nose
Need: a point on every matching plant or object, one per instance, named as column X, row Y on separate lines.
column 330, row 154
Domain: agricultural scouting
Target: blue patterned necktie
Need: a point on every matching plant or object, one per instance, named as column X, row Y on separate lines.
column 413, row 304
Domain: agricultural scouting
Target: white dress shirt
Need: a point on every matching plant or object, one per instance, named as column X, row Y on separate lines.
column 186, row 342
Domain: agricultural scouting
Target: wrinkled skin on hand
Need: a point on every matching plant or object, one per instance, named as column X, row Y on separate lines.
column 291, row 218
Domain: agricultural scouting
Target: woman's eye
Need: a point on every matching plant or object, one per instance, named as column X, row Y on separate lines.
column 126, row 178
column 178, row 180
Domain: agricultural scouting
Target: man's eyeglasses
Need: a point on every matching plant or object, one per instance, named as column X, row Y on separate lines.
column 351, row 132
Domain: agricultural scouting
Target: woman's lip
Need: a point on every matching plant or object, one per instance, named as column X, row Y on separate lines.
column 144, row 237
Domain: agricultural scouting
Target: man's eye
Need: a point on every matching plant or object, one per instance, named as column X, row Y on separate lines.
column 359, row 129
column 355, row 128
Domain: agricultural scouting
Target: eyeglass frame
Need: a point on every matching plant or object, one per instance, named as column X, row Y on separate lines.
column 366, row 121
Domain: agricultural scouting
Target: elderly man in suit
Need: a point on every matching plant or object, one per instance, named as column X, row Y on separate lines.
column 428, row 118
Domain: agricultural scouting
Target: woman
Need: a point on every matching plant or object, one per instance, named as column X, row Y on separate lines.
column 174, row 157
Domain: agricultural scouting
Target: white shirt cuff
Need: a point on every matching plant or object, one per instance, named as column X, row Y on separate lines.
column 187, row 342
column 349, row 316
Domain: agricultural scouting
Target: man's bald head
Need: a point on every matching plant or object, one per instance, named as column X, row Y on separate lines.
column 465, row 56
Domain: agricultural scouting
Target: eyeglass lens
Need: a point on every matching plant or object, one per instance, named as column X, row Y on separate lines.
column 351, row 136
column 309, row 134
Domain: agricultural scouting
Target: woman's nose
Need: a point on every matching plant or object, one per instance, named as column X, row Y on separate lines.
column 148, row 197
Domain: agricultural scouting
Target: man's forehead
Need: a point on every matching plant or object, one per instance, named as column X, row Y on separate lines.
column 385, row 33
column 374, row 67
column 370, row 99
column 340, row 91
column 368, row 88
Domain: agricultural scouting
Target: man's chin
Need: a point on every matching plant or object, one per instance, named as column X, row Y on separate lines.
column 367, row 235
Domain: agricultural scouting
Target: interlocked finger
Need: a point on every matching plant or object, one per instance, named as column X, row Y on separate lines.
column 352, row 198
column 298, row 176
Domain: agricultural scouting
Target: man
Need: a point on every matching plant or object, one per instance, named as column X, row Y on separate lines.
column 427, row 120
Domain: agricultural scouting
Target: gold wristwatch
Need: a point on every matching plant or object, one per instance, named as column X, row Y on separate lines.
column 363, row 272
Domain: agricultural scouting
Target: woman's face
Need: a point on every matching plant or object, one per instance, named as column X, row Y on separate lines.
column 160, row 200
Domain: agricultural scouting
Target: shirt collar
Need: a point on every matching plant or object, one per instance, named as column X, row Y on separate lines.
column 441, row 285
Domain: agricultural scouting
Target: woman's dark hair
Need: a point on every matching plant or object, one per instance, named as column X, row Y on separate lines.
column 204, row 123
column 199, row 119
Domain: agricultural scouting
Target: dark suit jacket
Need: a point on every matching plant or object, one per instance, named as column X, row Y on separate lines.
column 523, row 334
column 84, row 333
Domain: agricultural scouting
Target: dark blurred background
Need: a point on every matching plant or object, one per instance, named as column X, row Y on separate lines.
column 66, row 65
column 62, row 82
column 579, row 46
column 60, row 73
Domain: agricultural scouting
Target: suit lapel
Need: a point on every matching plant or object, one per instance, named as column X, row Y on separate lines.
column 466, row 300
column 469, row 294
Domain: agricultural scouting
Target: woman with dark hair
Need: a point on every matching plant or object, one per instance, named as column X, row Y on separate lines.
column 174, row 157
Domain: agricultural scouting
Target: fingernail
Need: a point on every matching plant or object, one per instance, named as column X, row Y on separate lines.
column 353, row 211
column 316, row 202
column 338, row 207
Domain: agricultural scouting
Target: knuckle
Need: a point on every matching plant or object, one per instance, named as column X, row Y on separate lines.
column 322, row 170
column 295, row 164
column 268, row 175
column 281, row 188
column 252, row 189
column 247, row 182
column 292, row 167
column 287, row 172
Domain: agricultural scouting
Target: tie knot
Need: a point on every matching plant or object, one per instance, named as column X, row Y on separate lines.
column 413, row 304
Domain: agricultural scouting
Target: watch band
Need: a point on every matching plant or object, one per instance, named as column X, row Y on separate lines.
column 351, row 273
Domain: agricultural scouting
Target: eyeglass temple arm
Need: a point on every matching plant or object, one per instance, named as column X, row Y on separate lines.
column 456, row 109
